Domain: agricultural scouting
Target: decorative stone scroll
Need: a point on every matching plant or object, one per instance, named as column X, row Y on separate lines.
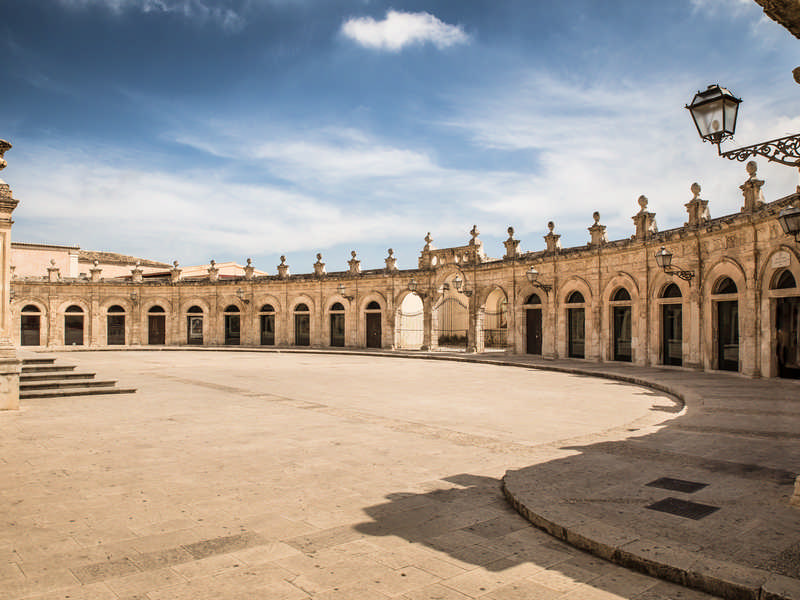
column 644, row 221
column 598, row 232
column 751, row 189
column 512, row 245
column 319, row 266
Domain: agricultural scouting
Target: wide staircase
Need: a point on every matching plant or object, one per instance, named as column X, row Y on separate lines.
column 42, row 378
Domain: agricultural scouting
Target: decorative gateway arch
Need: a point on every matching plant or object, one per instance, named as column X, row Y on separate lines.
column 736, row 305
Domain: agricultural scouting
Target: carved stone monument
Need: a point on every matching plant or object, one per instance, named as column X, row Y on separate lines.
column 644, row 221
column 512, row 245
column 751, row 189
column 9, row 363
column 553, row 240
column 598, row 232
column 319, row 266
column 698, row 211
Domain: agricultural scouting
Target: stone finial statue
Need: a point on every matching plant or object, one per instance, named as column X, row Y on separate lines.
column 425, row 259
column 283, row 268
column 136, row 273
column 354, row 263
column 597, row 231
column 213, row 271
column 753, row 198
column 249, row 269
column 644, row 221
column 319, row 266
column 512, row 245
column 428, row 242
column 391, row 261
column 53, row 272
column 175, row 272
column 698, row 211
column 474, row 233
column 95, row 271
column 4, row 147
column 553, row 240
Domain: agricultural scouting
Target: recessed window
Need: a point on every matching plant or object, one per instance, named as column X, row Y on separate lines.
column 621, row 295
column 575, row 298
column 30, row 308
column 725, row 286
column 267, row 308
column 232, row 308
column 337, row 306
column 74, row 309
column 116, row 309
column 195, row 310
column 373, row 306
column 156, row 309
column 785, row 281
column 671, row 291
column 301, row 308
column 533, row 299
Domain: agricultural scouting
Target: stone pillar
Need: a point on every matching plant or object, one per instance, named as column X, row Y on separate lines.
column 598, row 232
column 391, row 262
column 512, row 245
column 319, row 266
column 552, row 239
column 428, row 342
column 95, row 272
column 9, row 363
column 751, row 189
column 644, row 221
column 698, row 211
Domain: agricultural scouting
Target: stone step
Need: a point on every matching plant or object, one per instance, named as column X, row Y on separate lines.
column 38, row 361
column 54, row 376
column 54, row 385
column 46, row 368
column 74, row 392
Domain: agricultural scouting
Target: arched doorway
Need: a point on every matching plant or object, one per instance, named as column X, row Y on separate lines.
column 672, row 325
column 194, row 326
column 233, row 322
column 727, row 314
column 576, row 325
column 622, row 317
column 337, row 324
column 302, row 325
column 533, row 324
column 156, row 326
column 495, row 321
column 452, row 318
column 373, row 320
column 30, row 325
column 787, row 326
column 266, row 317
column 115, row 326
column 73, row 326
column 409, row 333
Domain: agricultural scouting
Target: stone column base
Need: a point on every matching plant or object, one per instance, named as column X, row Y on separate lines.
column 9, row 383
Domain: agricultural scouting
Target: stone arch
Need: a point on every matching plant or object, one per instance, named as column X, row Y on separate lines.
column 767, row 272
column 313, row 320
column 777, row 339
column 726, row 267
column 386, row 319
column 260, row 300
column 103, row 318
column 183, row 319
column 566, row 345
column 575, row 284
column 195, row 301
column 16, row 318
column 161, row 301
column 613, row 342
column 60, row 319
column 713, row 332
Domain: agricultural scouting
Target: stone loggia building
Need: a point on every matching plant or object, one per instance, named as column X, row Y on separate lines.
column 737, row 306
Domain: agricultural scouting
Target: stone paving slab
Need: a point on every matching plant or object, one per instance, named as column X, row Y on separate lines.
column 248, row 475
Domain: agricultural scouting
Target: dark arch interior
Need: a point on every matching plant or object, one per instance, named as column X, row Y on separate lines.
column 267, row 308
column 301, row 308
column 74, row 309
column 621, row 294
column 575, row 298
column 31, row 308
column 231, row 308
column 725, row 286
column 785, row 281
column 195, row 309
column 156, row 309
column 671, row 291
column 373, row 306
column 116, row 309
column 533, row 299
column 337, row 306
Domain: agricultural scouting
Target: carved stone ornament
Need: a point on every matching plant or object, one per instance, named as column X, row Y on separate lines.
column 644, row 221
column 319, row 266
column 283, row 268
column 553, row 240
column 175, row 272
column 249, row 269
column 512, row 245
column 751, row 189
column 354, row 264
column 391, row 261
column 698, row 211
column 597, row 231
column 474, row 233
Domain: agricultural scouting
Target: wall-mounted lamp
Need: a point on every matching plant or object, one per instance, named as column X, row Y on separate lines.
column 789, row 218
column 533, row 276
column 664, row 261
column 240, row 294
column 459, row 283
column 341, row 289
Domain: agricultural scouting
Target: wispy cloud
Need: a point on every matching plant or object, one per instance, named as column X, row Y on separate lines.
column 401, row 29
column 221, row 14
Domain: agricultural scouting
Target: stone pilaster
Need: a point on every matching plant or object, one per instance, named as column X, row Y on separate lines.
column 9, row 363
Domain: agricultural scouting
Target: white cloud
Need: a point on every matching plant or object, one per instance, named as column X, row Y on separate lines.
column 401, row 29
column 200, row 11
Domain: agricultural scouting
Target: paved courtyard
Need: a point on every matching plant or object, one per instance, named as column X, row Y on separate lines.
column 263, row 475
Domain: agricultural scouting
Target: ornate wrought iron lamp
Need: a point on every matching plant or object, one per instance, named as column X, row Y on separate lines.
column 714, row 113
column 459, row 285
column 664, row 261
column 533, row 276
column 789, row 218
column 240, row 295
column 341, row 289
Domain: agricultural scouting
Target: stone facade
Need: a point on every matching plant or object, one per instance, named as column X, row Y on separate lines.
column 603, row 301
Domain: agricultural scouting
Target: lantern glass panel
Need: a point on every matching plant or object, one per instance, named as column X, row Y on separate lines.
column 789, row 218
column 709, row 119
column 731, row 108
column 663, row 258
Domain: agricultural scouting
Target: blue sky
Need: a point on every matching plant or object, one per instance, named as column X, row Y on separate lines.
column 199, row 129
